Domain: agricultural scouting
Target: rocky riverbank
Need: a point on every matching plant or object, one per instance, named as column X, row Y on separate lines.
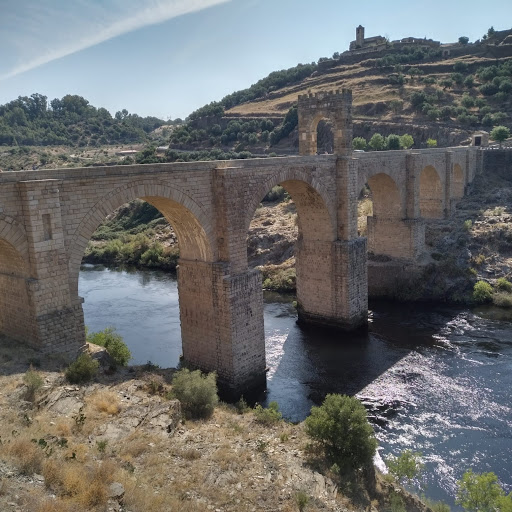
column 118, row 444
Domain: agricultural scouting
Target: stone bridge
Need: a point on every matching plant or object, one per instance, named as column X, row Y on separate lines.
column 47, row 218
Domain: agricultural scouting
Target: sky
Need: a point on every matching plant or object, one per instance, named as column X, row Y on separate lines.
column 166, row 58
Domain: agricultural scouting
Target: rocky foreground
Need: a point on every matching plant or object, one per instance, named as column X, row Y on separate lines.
column 118, row 444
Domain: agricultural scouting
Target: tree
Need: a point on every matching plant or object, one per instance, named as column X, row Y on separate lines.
column 396, row 106
column 406, row 466
column 463, row 40
column 377, row 142
column 431, row 143
column 491, row 32
column 479, row 492
column 500, row 133
column 406, row 141
column 341, row 427
column 393, row 142
column 359, row 143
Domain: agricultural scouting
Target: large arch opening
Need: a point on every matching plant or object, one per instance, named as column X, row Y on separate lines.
column 142, row 300
column 17, row 319
column 431, row 194
column 301, row 226
column 457, row 182
column 381, row 199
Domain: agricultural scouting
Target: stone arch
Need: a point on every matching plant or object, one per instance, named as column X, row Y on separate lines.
column 431, row 194
column 189, row 220
column 335, row 106
column 17, row 320
column 315, row 217
column 457, row 182
column 386, row 197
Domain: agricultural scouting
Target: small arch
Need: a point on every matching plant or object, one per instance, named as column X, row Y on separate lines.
column 387, row 201
column 190, row 222
column 457, row 182
column 431, row 194
column 17, row 319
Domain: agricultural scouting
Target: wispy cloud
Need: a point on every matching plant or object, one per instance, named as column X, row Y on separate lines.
column 34, row 33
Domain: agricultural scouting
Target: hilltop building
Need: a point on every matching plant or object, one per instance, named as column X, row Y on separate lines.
column 362, row 42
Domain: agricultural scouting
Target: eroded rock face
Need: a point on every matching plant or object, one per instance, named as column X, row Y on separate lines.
column 159, row 419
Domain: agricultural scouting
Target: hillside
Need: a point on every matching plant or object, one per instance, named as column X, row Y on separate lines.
column 428, row 92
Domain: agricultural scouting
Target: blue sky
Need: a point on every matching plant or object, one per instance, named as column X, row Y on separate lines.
column 168, row 57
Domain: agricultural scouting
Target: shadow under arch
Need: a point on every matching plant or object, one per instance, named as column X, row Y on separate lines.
column 457, row 182
column 190, row 222
column 431, row 194
column 17, row 319
column 386, row 197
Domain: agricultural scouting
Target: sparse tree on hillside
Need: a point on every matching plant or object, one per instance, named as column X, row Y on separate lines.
column 500, row 133
column 463, row 40
column 396, row 106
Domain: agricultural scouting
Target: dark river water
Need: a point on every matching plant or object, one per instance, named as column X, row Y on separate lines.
column 435, row 379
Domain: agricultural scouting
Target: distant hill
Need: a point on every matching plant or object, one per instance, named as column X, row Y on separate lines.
column 33, row 121
column 420, row 87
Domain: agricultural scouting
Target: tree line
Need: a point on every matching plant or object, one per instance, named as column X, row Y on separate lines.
column 71, row 120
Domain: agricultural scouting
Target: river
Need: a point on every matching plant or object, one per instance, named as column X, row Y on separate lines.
column 435, row 379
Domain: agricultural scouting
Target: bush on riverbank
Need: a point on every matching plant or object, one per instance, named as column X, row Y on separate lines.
column 114, row 344
column 341, row 427
column 137, row 250
column 83, row 369
column 482, row 292
column 279, row 278
column 196, row 392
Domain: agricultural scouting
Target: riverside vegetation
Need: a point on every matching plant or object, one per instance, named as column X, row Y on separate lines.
column 149, row 440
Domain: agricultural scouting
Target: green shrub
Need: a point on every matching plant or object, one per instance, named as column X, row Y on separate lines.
column 359, row 143
column 502, row 299
column 196, row 392
column 479, row 492
column 393, row 142
column 33, row 381
column 406, row 141
column 482, row 292
column 341, row 427
column 377, row 142
column 431, row 143
column 83, row 369
column 504, row 285
column 114, row 344
column 268, row 416
column 302, row 499
column 406, row 466
column 468, row 224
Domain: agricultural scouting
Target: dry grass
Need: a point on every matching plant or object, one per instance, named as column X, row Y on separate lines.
column 105, row 402
column 25, row 455
column 85, row 485
column 134, row 446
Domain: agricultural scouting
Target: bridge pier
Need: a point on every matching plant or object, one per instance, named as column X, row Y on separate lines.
column 222, row 324
column 57, row 324
column 332, row 283
column 396, row 238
